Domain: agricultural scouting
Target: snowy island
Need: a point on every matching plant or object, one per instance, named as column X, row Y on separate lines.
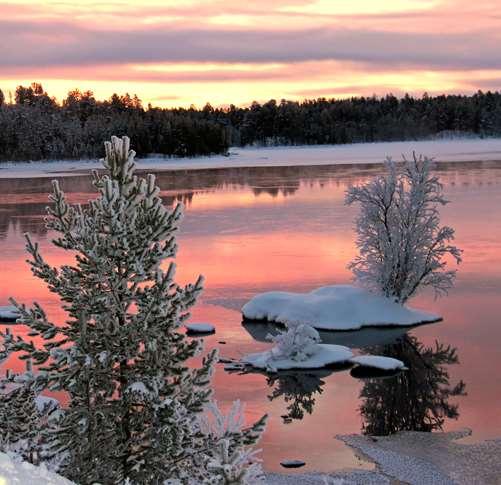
column 338, row 307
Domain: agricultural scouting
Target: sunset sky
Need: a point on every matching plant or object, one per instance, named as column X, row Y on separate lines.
column 182, row 52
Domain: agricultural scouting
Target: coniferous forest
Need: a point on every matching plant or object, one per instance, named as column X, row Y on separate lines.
column 34, row 126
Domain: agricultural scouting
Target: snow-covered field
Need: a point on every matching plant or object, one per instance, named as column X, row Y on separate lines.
column 441, row 150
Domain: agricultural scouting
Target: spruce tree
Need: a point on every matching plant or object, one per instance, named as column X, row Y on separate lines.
column 134, row 404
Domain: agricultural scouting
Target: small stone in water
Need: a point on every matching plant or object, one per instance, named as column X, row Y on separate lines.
column 193, row 328
column 292, row 463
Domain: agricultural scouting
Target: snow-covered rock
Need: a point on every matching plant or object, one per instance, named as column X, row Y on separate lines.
column 378, row 362
column 338, row 307
column 21, row 472
column 292, row 463
column 8, row 313
column 200, row 328
column 323, row 356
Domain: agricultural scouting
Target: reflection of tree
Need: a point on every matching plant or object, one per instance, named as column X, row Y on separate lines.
column 414, row 400
column 285, row 190
column 299, row 390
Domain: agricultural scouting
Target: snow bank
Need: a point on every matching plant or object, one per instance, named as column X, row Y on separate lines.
column 378, row 362
column 442, row 150
column 200, row 328
column 12, row 472
column 437, row 458
column 8, row 313
column 339, row 307
column 324, row 355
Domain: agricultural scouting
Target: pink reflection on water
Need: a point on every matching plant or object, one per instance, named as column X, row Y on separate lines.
column 254, row 230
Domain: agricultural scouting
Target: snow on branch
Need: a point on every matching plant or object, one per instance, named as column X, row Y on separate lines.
column 402, row 246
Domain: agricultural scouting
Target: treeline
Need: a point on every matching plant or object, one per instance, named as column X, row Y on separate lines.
column 363, row 119
column 34, row 126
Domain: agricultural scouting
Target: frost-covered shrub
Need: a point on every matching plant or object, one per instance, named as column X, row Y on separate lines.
column 402, row 246
column 230, row 455
column 298, row 342
column 133, row 402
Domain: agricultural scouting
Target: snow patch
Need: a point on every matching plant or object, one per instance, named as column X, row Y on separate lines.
column 46, row 404
column 323, row 356
column 338, row 307
column 139, row 388
column 12, row 471
column 416, row 457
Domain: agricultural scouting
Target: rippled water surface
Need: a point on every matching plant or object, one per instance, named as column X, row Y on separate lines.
column 253, row 230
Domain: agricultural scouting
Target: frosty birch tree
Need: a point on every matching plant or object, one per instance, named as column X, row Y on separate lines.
column 401, row 243
column 133, row 403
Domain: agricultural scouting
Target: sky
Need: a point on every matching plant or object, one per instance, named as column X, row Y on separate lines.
column 183, row 52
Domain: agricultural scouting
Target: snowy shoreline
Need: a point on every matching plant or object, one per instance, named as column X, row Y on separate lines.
column 408, row 456
column 461, row 150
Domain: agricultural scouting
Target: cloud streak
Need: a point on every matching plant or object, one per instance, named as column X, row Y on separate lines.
column 62, row 44
column 273, row 47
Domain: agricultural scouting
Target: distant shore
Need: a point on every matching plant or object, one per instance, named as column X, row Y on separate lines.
column 458, row 150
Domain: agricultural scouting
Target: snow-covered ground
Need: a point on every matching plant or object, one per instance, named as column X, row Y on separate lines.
column 438, row 458
column 339, row 307
column 442, row 150
column 23, row 473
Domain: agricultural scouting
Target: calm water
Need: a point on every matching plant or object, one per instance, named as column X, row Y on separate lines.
column 253, row 230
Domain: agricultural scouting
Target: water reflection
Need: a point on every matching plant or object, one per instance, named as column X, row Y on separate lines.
column 255, row 230
column 417, row 399
column 357, row 339
column 299, row 391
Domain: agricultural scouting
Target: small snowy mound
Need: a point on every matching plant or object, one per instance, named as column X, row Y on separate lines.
column 378, row 362
column 9, row 313
column 323, row 356
column 339, row 307
column 200, row 328
column 292, row 463
column 12, row 471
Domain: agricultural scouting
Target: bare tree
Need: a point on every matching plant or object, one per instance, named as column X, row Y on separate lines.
column 401, row 245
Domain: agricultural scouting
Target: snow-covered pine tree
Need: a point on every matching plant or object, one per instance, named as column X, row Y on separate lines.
column 401, row 244
column 133, row 403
